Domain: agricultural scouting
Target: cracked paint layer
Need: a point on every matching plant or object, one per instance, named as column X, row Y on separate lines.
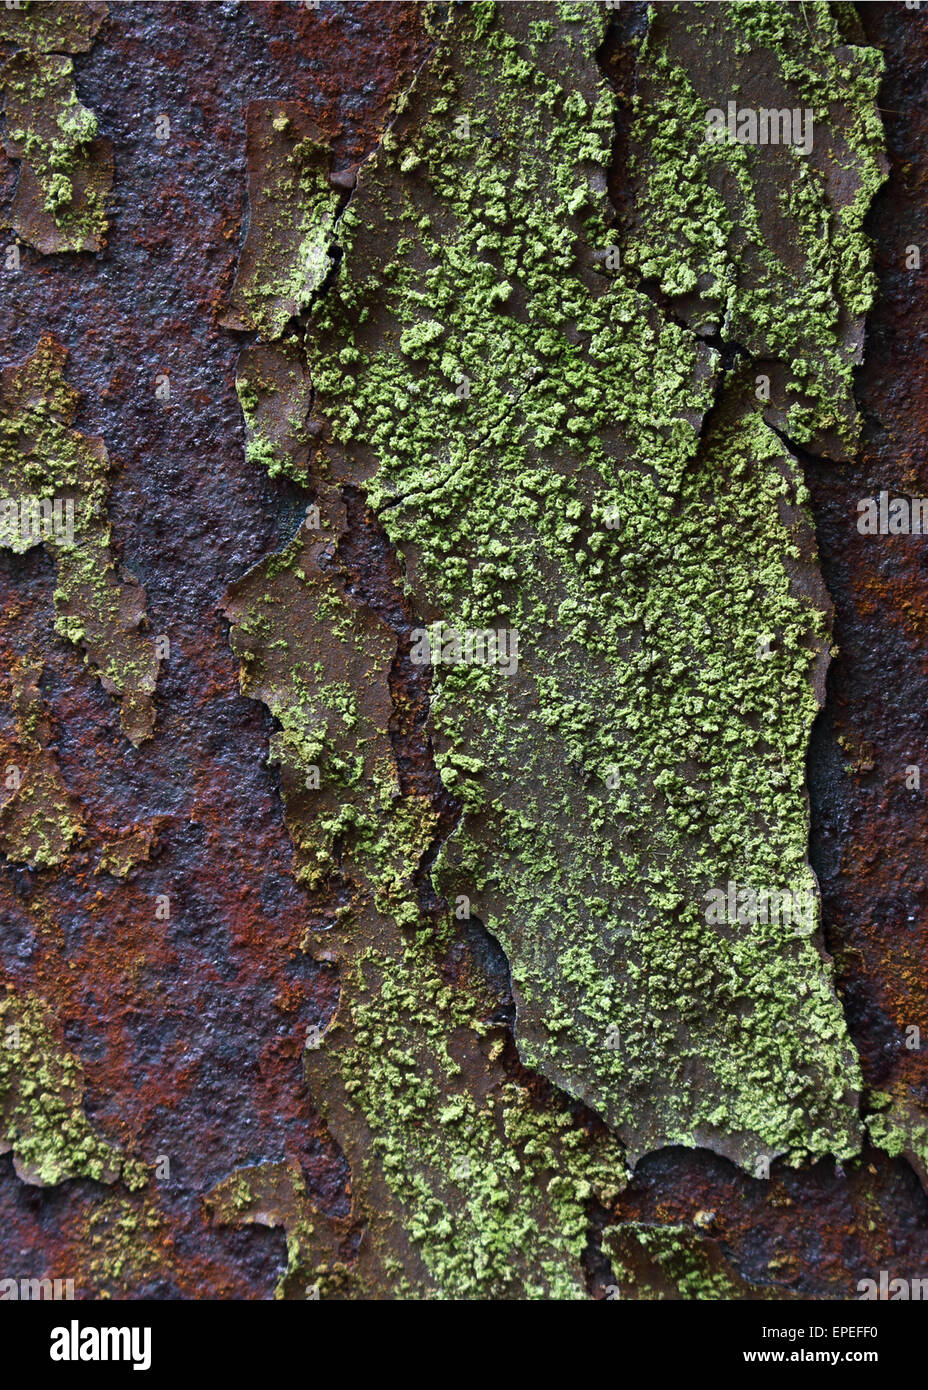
column 214, row 1004
column 41, row 1116
column 763, row 244
column 676, row 1262
column 43, row 26
column 291, row 207
column 145, row 1001
column 53, row 491
column 39, row 817
column 66, row 169
column 466, row 1184
column 553, row 454
column 643, row 754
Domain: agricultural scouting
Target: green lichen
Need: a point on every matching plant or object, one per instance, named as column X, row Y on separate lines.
column 275, row 395
column 645, row 753
column 492, row 1190
column 274, row 1195
column 551, row 453
column 67, row 172
column 50, row 27
column 41, row 1117
column 292, row 208
column 44, row 463
column 121, row 856
column 768, row 241
column 470, row 1188
column 39, row 818
column 126, row 1242
column 899, row 1127
column 675, row 1262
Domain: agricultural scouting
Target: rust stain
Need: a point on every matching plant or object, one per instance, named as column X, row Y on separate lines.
column 190, row 1032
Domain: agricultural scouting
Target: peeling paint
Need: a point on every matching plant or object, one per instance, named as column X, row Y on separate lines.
column 563, row 497
column 252, row 1050
column 67, row 171
column 41, row 1090
column 97, row 607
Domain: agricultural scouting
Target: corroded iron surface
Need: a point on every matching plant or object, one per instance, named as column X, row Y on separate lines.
column 330, row 971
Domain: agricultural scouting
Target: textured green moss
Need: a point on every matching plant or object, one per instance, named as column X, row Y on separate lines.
column 645, row 754
column 66, row 172
column 43, row 458
column 550, row 451
column 41, row 1117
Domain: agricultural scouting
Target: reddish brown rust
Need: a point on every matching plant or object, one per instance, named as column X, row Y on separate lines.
column 819, row 1232
column 190, row 1031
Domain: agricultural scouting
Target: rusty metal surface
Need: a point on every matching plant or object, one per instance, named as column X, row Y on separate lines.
column 869, row 838
column 823, row 1230
column 188, row 1033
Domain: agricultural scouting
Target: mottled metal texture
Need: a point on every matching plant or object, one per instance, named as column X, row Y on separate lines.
column 822, row 1230
column 190, row 1032
column 870, row 825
